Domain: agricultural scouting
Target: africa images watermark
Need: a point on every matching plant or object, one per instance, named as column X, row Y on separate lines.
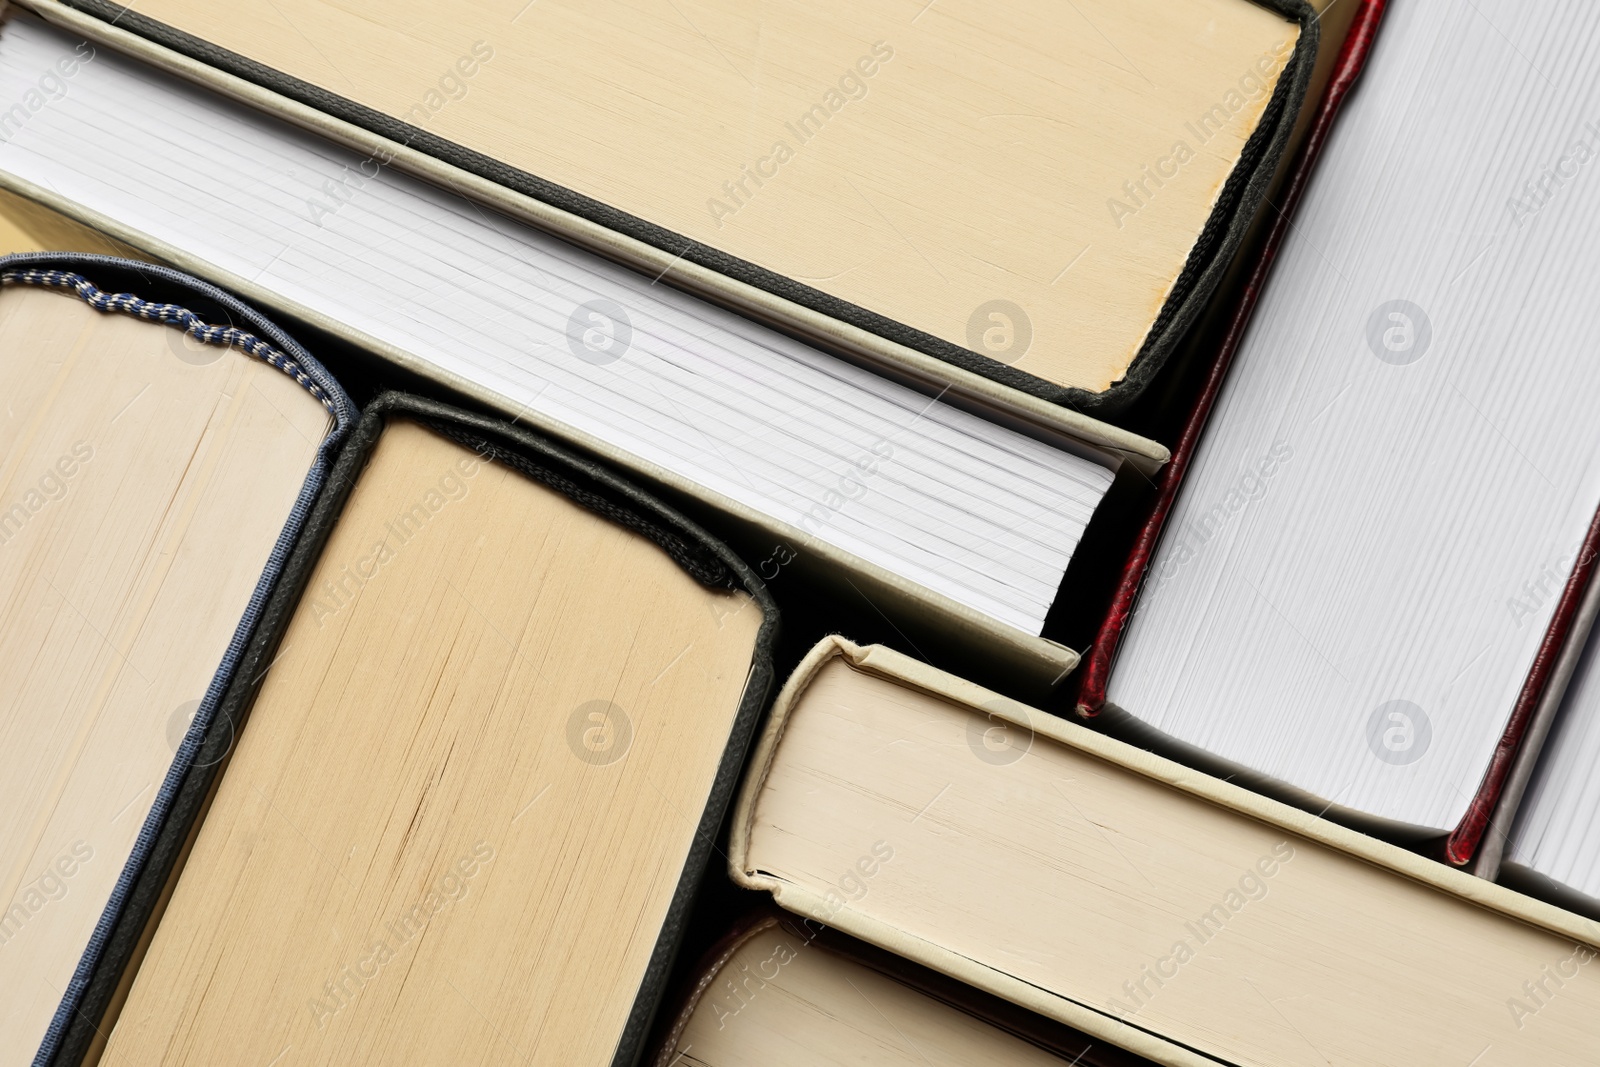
column 451, row 887
column 178, row 724
column 1254, row 84
column 1540, row 191
column 1001, row 330
column 1252, row 887
column 849, row 87
column 49, row 885
column 451, row 86
column 51, row 486
column 1549, row 582
column 1191, row 538
column 1537, row 993
column 994, row 738
column 599, row 732
column 736, row 992
column 1399, row 732
column 50, row 87
column 851, row 484
column 725, row 608
column 340, row 590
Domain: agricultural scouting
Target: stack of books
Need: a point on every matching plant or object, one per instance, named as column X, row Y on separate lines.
column 897, row 533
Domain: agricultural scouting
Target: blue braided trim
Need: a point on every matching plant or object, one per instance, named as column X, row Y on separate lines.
column 172, row 315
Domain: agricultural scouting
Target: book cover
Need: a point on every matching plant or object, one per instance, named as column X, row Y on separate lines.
column 164, row 448
column 547, row 680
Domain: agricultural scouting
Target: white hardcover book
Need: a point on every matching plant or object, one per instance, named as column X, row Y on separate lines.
column 1402, row 466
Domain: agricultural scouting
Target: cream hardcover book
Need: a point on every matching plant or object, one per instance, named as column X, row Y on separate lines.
column 779, row 991
column 1168, row 912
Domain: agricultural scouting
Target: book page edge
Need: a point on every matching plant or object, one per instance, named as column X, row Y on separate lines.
column 1039, row 658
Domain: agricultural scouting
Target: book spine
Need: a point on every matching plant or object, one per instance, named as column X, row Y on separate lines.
column 1462, row 844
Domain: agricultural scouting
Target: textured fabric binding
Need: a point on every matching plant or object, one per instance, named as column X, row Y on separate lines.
column 172, row 315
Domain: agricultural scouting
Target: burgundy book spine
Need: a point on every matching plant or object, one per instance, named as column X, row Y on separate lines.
column 1463, row 843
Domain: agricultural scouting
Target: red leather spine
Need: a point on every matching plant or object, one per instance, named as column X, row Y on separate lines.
column 1096, row 668
column 1463, row 843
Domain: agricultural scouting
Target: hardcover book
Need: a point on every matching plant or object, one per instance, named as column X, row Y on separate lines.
column 1176, row 915
column 1038, row 195
column 493, row 722
column 162, row 445
column 1414, row 669
column 961, row 519
column 780, row 991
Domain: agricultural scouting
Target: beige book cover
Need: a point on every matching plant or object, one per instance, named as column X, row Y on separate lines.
column 1171, row 913
column 1041, row 194
column 150, row 485
column 478, row 784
